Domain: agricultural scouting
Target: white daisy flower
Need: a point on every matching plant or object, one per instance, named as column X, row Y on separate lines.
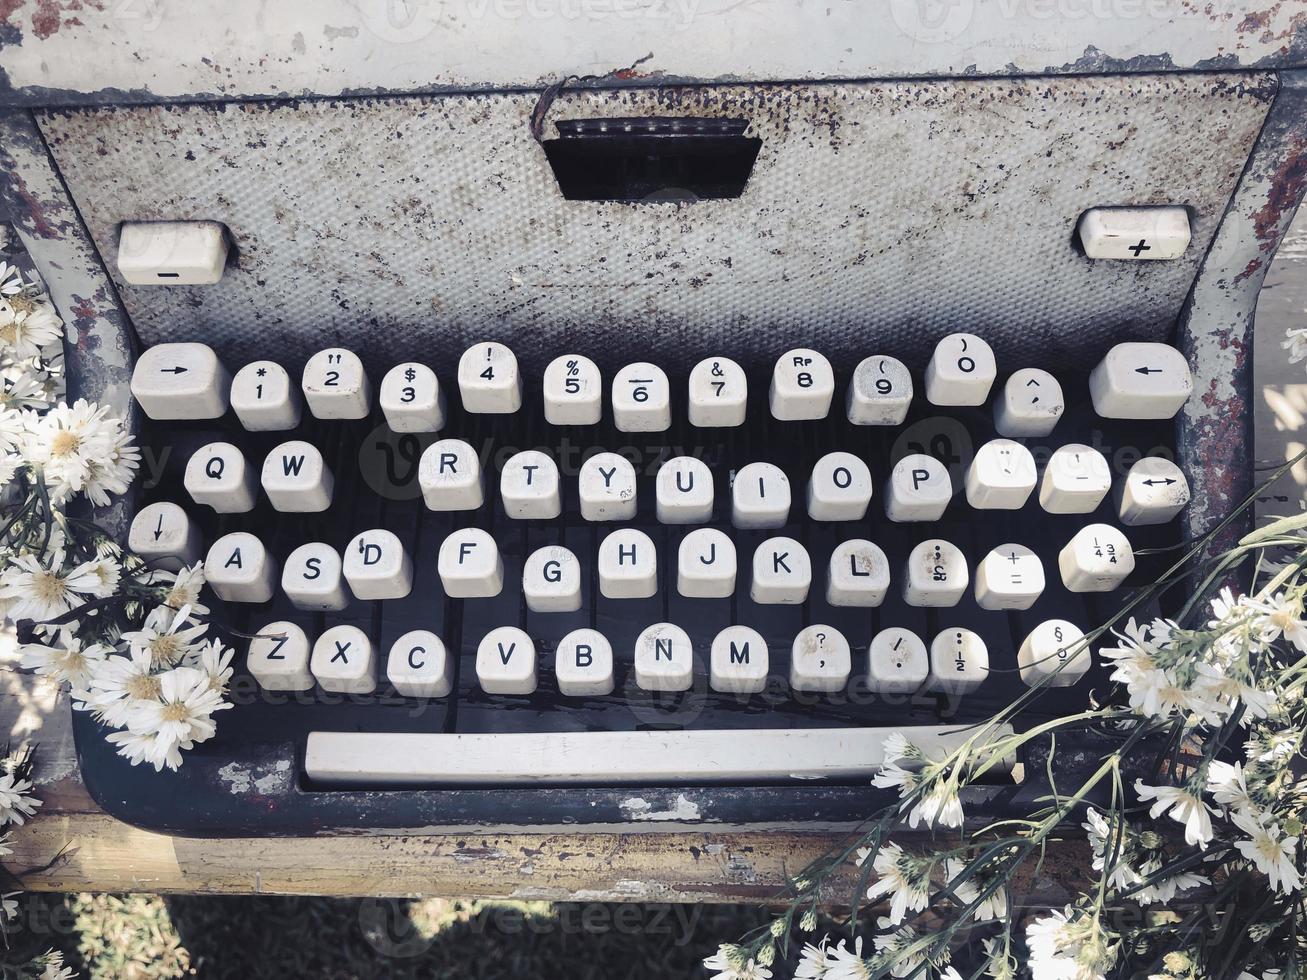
column 166, row 636
column 847, row 964
column 1216, row 684
column 21, row 388
column 65, row 661
column 735, row 965
column 1272, row 853
column 903, row 878
column 181, row 715
column 1000, row 965
column 1055, row 943
column 27, row 324
column 112, row 473
column 54, row 967
column 1184, row 806
column 69, row 439
column 814, row 961
column 15, row 803
column 143, row 747
column 41, row 591
column 1163, row 890
column 184, row 588
column 215, row 661
column 11, row 280
column 9, row 906
column 6, row 844
column 893, row 946
column 1225, row 781
column 939, row 806
column 109, row 572
column 119, row 684
column 1283, row 617
column 1295, row 342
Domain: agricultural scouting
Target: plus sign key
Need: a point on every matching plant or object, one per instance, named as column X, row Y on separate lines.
column 1135, row 234
column 1140, row 381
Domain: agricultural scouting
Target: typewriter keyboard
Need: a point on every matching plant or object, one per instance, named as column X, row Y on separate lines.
column 466, row 573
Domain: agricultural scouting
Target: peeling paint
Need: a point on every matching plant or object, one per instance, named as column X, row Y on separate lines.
column 638, row 808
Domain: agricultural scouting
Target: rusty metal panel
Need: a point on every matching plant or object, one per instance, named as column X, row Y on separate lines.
column 1216, row 329
column 878, row 216
column 98, row 342
column 117, row 51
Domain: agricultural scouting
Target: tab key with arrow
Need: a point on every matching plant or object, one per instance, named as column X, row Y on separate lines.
column 181, row 382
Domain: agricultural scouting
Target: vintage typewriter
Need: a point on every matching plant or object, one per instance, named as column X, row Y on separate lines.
column 634, row 451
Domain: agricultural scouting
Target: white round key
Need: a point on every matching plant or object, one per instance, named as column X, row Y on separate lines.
column 583, row 664
column 1030, row 405
column 239, row 569
column 488, row 380
column 820, row 660
column 918, row 489
column 664, row 659
column 1154, row 491
column 164, row 535
column 1140, row 381
column 897, row 662
column 760, row 497
column 312, row 578
column 719, row 393
column 642, row 398
column 880, row 393
column 173, row 382
column 219, row 476
column 278, row 658
column 551, row 580
column 297, row 480
column 418, row 666
column 935, row 574
column 1002, row 476
column 858, row 575
column 450, row 476
column 684, row 490
column 342, row 661
column 573, row 391
column 961, row 371
column 469, row 565
column 528, row 486
column 264, row 399
column 959, row 662
column 1009, row 577
column 628, row 565
column 606, row 487
column 377, row 566
column 738, row 661
column 506, row 662
column 782, row 572
column 411, row 399
column 1097, row 559
column 706, row 565
column 1076, row 479
column 802, row 386
column 336, row 386
column 1055, row 650
column 839, row 488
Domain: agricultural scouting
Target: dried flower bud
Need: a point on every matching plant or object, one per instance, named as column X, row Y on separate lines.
column 767, row 954
column 778, row 928
column 809, row 921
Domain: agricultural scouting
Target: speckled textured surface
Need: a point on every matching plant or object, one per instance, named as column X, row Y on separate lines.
column 878, row 217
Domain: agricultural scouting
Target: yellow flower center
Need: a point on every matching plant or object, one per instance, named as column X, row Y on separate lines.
column 65, row 443
column 9, row 332
column 143, row 688
column 165, row 649
column 1283, row 617
column 175, row 712
column 48, row 587
column 21, row 305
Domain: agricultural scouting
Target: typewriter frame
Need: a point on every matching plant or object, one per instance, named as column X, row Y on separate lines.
column 1213, row 438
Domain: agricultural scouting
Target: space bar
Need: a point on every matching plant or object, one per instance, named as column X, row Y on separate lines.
column 613, row 758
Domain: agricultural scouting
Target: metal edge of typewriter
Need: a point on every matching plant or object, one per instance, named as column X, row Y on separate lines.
column 141, row 51
column 1214, row 330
